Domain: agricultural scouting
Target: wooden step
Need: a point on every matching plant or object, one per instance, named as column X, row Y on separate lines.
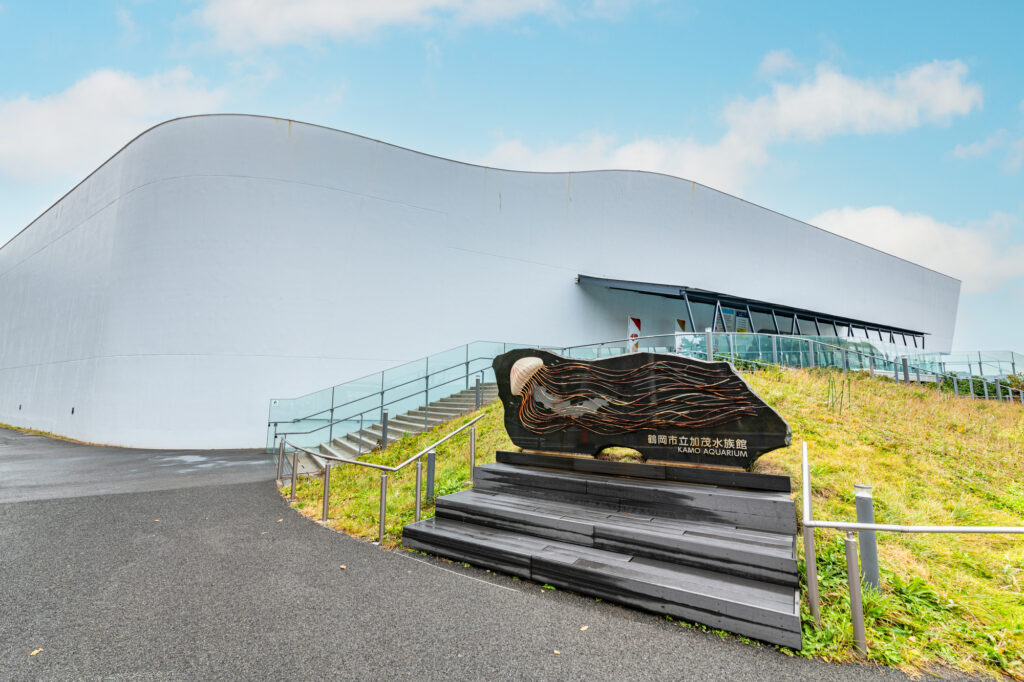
column 765, row 611
column 757, row 555
column 750, row 509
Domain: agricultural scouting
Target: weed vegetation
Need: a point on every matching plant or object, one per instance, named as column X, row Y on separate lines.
column 933, row 459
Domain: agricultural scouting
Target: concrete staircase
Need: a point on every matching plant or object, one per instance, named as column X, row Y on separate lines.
column 722, row 555
column 358, row 443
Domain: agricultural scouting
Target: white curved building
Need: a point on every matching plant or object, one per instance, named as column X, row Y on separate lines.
column 217, row 261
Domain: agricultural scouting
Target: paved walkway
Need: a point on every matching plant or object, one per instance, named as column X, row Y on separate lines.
column 226, row 582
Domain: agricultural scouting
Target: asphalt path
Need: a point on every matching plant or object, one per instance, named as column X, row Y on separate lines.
column 37, row 468
column 224, row 581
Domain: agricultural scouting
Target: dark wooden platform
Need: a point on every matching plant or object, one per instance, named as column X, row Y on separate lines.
column 721, row 556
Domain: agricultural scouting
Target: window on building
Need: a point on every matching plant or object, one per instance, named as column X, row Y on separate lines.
column 763, row 322
column 785, row 323
column 703, row 315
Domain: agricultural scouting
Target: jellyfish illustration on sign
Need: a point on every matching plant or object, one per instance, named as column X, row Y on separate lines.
column 668, row 407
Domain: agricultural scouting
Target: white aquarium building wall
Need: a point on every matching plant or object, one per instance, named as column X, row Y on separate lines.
column 218, row 261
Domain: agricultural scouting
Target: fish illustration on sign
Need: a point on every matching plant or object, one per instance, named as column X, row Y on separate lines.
column 667, row 407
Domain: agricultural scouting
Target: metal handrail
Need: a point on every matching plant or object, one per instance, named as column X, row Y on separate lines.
column 370, row 409
column 852, row 574
column 429, row 452
column 1000, row 389
column 390, row 388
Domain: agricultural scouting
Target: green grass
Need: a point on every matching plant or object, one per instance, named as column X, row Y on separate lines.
column 933, row 459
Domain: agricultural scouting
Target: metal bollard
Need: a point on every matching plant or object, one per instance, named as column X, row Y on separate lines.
column 419, row 487
column 984, row 385
column 917, row 374
column 868, row 545
column 295, row 472
column 431, row 456
column 472, row 453
column 775, row 351
column 383, row 429
column 280, row 460
column 906, row 370
column 956, row 385
column 327, row 491
column 860, row 637
column 999, row 391
column 383, row 506
column 709, row 341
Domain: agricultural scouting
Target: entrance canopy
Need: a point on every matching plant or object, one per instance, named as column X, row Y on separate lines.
column 720, row 312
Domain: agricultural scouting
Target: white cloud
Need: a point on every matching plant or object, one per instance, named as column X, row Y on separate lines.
column 1015, row 159
column 72, row 132
column 246, row 24
column 976, row 150
column 776, row 62
column 126, row 23
column 982, row 256
column 828, row 104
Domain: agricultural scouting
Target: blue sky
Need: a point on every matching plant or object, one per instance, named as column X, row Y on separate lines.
column 897, row 124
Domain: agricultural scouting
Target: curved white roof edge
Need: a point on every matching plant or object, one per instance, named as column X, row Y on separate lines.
column 463, row 163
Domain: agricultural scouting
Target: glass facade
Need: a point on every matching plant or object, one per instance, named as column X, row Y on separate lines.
column 725, row 313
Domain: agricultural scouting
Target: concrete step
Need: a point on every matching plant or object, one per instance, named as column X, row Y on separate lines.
column 756, row 555
column 417, row 417
column 765, row 611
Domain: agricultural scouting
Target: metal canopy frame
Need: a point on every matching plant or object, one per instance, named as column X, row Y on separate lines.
column 691, row 295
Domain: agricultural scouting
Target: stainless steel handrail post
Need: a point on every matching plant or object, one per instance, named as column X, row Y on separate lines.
column 775, row 351
column 383, row 506
column 710, row 342
column 295, row 472
column 330, row 431
column 472, row 454
column 810, row 555
column 383, row 429
column 327, row 491
column 419, row 488
column 860, row 637
column 280, row 459
column 426, row 403
column 479, row 396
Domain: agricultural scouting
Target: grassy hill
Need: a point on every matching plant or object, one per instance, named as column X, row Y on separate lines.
column 933, row 459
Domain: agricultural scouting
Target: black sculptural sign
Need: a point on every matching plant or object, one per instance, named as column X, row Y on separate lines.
column 668, row 407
